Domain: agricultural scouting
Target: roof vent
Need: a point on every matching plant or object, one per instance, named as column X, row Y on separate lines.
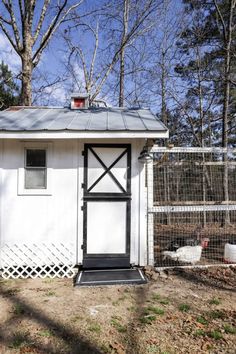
column 79, row 101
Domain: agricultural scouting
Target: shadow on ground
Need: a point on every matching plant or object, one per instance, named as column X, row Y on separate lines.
column 210, row 277
column 141, row 296
column 72, row 341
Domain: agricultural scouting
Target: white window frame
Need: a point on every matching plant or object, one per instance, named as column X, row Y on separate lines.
column 21, row 170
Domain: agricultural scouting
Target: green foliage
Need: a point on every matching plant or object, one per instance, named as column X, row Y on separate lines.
column 156, row 310
column 215, row 335
column 156, row 297
column 148, row 319
column 202, row 68
column 9, row 91
column 48, row 281
column 229, row 329
column 45, row 333
column 164, row 301
column 184, row 307
column 50, row 293
column 202, row 320
column 132, row 309
column 115, row 322
column 199, row 332
column 149, row 314
column 19, row 339
column 214, row 301
column 18, row 309
column 95, row 327
column 217, row 314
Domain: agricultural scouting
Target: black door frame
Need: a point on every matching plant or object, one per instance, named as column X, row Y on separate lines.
column 107, row 260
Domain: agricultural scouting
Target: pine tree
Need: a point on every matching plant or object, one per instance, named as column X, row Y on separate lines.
column 214, row 62
column 9, row 91
column 209, row 45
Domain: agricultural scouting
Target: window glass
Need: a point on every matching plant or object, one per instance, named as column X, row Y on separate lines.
column 35, row 179
column 35, row 158
column 35, row 169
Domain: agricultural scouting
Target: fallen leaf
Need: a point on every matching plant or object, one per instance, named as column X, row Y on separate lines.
column 119, row 349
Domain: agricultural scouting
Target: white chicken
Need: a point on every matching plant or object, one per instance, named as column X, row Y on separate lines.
column 186, row 254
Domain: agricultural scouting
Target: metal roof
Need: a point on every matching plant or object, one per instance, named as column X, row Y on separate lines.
column 32, row 119
column 79, row 95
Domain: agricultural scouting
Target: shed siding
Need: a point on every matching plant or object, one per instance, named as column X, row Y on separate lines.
column 39, row 219
column 57, row 218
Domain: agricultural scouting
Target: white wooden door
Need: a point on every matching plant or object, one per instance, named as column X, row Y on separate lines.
column 107, row 195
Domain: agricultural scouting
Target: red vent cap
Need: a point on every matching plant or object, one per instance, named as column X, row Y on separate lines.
column 79, row 102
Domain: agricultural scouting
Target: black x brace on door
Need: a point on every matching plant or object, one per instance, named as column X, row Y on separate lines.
column 122, row 194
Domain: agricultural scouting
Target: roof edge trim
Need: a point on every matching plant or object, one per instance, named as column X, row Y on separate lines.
column 83, row 135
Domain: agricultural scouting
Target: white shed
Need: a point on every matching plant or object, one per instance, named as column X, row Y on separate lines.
column 72, row 191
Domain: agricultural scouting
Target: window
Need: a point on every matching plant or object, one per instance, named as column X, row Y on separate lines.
column 35, row 169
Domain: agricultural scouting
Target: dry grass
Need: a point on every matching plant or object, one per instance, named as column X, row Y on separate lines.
column 186, row 313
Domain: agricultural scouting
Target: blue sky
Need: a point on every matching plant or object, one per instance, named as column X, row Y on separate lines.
column 51, row 65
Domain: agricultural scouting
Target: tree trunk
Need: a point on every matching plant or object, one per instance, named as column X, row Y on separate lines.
column 122, row 54
column 122, row 78
column 226, row 220
column 227, row 72
column 163, row 91
column 165, row 121
column 26, row 89
column 201, row 117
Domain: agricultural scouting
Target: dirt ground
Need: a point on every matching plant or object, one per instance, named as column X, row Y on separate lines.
column 180, row 312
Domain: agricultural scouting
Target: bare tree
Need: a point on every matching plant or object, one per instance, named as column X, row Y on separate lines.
column 161, row 73
column 111, row 51
column 227, row 28
column 29, row 33
column 122, row 52
column 77, row 57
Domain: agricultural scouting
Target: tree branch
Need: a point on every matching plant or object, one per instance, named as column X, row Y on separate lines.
column 55, row 23
column 94, row 53
column 21, row 10
column 8, row 6
column 8, row 22
column 82, row 58
column 149, row 8
column 31, row 12
column 9, row 37
column 221, row 20
column 41, row 19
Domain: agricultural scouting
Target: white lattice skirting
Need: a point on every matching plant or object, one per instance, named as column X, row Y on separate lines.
column 37, row 260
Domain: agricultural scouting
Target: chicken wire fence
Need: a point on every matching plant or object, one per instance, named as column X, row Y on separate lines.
column 191, row 198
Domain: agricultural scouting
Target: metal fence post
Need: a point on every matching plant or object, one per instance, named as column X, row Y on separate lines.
column 150, row 216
